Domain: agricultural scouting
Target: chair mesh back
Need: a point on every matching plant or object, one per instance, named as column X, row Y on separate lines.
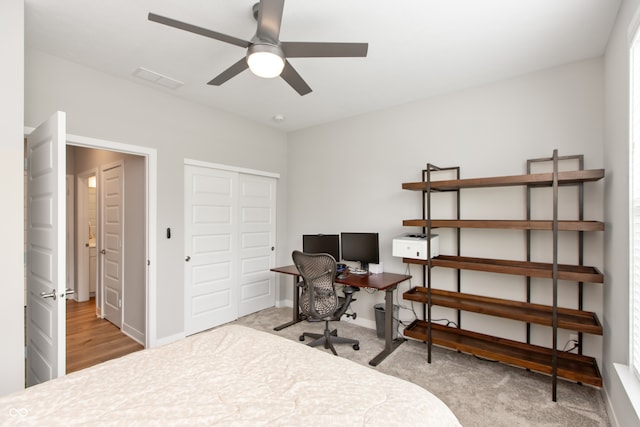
column 318, row 272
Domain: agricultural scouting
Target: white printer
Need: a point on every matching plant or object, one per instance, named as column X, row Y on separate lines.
column 414, row 245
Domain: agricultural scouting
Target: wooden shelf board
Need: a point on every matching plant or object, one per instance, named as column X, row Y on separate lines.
column 570, row 366
column 574, row 320
column 538, row 179
column 563, row 225
column 575, row 273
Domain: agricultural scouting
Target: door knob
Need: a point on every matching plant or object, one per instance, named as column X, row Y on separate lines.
column 188, row 258
column 51, row 294
column 67, row 292
column 103, row 251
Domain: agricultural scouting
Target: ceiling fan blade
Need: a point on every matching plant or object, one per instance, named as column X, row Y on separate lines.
column 324, row 50
column 269, row 20
column 197, row 30
column 291, row 76
column 230, row 72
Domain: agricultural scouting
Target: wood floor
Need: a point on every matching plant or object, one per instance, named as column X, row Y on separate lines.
column 91, row 340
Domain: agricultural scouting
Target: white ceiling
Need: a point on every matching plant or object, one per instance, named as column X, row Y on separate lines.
column 417, row 48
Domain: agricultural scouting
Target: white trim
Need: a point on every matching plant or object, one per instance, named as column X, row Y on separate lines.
column 152, row 212
column 630, row 384
column 628, row 378
column 634, row 24
column 613, row 419
column 210, row 165
column 82, row 256
column 630, row 168
column 136, row 338
column 171, row 338
column 71, row 236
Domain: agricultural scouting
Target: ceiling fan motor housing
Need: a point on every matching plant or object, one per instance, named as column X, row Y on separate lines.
column 265, row 59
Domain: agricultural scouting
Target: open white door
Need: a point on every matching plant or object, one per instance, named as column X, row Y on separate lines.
column 46, row 241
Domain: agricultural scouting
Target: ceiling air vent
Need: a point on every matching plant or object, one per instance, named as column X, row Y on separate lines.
column 157, row 78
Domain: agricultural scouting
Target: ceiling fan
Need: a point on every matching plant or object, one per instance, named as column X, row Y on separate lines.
column 266, row 54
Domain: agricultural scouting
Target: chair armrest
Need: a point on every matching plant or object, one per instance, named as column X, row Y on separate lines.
column 346, row 301
column 350, row 290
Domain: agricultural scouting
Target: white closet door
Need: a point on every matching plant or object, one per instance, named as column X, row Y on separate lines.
column 257, row 238
column 211, row 230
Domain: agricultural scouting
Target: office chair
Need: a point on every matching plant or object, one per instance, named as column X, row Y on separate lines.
column 319, row 300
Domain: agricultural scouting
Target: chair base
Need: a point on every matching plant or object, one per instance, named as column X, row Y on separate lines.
column 328, row 338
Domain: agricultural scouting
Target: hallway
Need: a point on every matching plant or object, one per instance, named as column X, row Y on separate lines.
column 91, row 340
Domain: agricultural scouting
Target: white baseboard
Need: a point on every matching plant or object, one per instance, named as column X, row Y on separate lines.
column 133, row 333
column 284, row 303
column 168, row 340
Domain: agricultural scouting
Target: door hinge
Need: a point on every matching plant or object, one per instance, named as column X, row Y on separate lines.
column 26, row 163
column 148, row 262
column 119, row 303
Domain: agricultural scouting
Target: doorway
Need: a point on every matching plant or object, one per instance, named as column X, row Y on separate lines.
column 111, row 212
column 146, row 246
column 46, row 151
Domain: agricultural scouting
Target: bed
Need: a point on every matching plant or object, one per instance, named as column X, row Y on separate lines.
column 232, row 375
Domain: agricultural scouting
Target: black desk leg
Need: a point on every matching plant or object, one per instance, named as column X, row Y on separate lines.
column 389, row 343
column 296, row 309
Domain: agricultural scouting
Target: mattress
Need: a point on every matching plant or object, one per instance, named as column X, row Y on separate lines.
column 231, row 376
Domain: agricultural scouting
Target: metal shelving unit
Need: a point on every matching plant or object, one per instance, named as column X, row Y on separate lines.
column 549, row 360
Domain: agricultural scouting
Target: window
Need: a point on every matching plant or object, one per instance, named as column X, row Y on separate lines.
column 634, row 168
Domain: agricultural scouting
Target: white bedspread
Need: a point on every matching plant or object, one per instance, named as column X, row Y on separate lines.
column 232, row 375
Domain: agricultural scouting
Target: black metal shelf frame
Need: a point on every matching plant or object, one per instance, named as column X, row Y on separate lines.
column 427, row 230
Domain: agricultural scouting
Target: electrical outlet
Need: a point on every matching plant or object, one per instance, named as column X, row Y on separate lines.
column 573, row 337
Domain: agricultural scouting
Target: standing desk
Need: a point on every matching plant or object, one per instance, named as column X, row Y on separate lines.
column 387, row 282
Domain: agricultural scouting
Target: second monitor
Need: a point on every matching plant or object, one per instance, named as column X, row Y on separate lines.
column 322, row 243
column 361, row 247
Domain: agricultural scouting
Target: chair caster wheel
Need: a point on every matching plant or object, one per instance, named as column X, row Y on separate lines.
column 355, row 315
column 301, row 338
column 356, row 347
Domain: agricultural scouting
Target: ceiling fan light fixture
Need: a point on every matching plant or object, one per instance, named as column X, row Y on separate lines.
column 265, row 60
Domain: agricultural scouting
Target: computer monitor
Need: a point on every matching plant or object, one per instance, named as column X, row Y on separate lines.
column 361, row 247
column 322, row 244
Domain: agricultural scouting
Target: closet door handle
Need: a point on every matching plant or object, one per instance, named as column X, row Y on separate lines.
column 188, row 258
column 104, row 251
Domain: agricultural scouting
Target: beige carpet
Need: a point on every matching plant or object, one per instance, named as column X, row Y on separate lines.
column 479, row 392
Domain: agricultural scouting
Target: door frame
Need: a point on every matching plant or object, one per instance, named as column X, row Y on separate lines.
column 151, row 163
column 70, row 236
column 82, row 259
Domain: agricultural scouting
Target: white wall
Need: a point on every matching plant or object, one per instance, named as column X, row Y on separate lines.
column 100, row 106
column 347, row 176
column 616, row 158
column 11, row 165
